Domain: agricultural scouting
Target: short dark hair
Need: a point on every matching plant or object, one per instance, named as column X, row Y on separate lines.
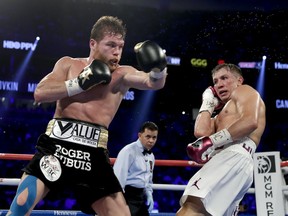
column 107, row 24
column 231, row 67
column 148, row 125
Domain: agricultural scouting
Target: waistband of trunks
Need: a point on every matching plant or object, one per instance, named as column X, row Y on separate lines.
column 78, row 132
column 246, row 144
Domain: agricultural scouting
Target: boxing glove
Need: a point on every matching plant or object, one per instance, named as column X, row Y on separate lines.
column 220, row 104
column 200, row 150
column 210, row 101
column 94, row 74
column 151, row 58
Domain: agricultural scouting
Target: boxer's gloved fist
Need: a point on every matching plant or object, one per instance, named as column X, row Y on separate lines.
column 94, row 74
column 151, row 58
column 220, row 104
column 210, row 101
column 201, row 149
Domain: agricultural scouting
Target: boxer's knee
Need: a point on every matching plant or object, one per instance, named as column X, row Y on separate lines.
column 25, row 197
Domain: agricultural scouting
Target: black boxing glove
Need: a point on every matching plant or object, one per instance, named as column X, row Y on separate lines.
column 94, row 74
column 151, row 58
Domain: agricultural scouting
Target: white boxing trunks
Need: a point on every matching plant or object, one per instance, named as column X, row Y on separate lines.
column 224, row 180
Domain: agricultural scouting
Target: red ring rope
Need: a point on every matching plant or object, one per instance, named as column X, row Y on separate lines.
column 8, row 156
column 183, row 163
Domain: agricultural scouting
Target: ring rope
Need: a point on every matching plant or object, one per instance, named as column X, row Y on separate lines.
column 181, row 163
column 170, row 187
column 15, row 181
column 173, row 187
column 10, row 156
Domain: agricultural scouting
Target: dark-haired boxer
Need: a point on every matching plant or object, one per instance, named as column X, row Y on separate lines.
column 88, row 92
column 225, row 145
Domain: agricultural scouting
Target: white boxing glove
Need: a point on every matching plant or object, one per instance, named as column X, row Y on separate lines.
column 209, row 100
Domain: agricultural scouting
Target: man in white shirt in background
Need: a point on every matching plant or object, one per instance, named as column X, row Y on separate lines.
column 134, row 167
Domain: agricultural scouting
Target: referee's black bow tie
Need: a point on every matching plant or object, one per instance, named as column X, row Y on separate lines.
column 146, row 152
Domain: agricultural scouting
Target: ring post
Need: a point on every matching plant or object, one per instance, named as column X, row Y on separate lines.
column 268, row 184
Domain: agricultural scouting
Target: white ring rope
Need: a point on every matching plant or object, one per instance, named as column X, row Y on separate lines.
column 172, row 187
column 9, row 181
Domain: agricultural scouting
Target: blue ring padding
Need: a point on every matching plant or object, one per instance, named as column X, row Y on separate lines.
column 72, row 213
column 51, row 212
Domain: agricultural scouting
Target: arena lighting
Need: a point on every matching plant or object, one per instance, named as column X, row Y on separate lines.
column 195, row 62
column 141, row 111
column 221, row 61
column 20, row 45
column 23, row 66
column 281, row 104
column 261, row 79
column 256, row 65
column 25, row 62
column 280, row 66
column 130, row 95
column 171, row 60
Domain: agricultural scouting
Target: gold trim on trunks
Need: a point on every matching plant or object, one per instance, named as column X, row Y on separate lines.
column 98, row 134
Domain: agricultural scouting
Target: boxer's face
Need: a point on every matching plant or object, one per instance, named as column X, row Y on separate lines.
column 225, row 82
column 109, row 49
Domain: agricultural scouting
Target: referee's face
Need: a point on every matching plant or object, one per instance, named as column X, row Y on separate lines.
column 148, row 138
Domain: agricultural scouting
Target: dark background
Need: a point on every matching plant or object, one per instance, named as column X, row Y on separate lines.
column 212, row 30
